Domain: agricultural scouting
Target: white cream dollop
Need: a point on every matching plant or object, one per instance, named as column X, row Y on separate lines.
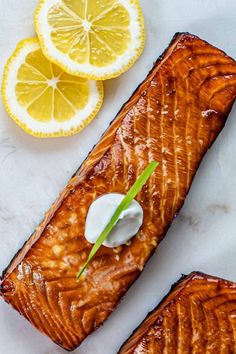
column 100, row 213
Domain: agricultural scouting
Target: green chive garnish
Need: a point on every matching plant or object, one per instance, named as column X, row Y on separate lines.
column 134, row 190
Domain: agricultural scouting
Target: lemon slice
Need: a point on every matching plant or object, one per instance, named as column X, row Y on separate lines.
column 43, row 99
column 96, row 39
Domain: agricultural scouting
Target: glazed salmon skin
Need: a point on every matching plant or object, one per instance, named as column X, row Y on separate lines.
column 173, row 118
column 198, row 316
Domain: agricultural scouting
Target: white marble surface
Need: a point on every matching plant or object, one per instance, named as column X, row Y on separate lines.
column 32, row 172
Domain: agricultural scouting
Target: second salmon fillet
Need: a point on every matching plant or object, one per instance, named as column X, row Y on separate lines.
column 172, row 118
column 197, row 316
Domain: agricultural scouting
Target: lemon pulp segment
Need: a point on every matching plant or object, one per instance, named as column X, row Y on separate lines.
column 97, row 33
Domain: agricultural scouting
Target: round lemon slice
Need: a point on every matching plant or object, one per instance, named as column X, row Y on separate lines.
column 44, row 100
column 95, row 39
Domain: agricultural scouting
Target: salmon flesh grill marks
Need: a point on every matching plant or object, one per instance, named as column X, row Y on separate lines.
column 198, row 316
column 173, row 117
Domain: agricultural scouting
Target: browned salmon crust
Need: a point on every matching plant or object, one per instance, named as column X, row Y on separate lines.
column 173, row 118
column 198, row 316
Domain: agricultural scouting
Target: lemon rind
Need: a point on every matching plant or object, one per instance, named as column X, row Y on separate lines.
column 38, row 134
column 84, row 74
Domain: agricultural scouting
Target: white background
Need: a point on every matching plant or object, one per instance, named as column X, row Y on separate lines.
column 32, row 172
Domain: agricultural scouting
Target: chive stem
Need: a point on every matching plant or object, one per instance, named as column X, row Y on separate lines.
column 125, row 203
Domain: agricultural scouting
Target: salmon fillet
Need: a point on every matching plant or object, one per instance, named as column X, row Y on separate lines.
column 198, row 316
column 173, row 118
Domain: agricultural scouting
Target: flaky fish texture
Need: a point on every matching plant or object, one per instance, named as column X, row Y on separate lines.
column 198, row 316
column 173, row 118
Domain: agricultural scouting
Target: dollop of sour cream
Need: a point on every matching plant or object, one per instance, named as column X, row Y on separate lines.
column 101, row 212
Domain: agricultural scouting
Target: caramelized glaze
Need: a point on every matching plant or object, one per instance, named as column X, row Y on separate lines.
column 198, row 316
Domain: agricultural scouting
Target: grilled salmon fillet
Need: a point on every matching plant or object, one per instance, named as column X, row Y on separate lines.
column 198, row 316
column 173, row 118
